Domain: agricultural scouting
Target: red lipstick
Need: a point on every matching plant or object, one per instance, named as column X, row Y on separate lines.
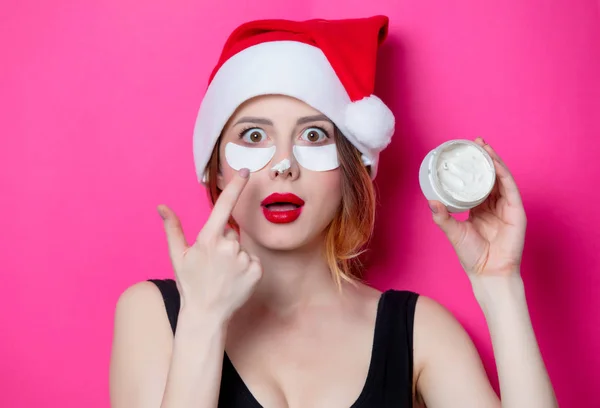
column 282, row 208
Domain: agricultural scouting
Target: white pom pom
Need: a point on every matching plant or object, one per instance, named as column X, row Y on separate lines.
column 371, row 122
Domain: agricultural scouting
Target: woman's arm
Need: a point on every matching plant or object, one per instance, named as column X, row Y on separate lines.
column 524, row 381
column 150, row 368
column 449, row 369
column 215, row 276
column 489, row 245
column 195, row 373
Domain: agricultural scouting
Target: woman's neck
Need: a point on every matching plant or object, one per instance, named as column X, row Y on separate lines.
column 291, row 279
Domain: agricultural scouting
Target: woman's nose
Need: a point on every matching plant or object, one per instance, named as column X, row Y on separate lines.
column 282, row 166
column 286, row 167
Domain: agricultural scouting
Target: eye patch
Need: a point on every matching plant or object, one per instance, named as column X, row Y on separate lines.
column 315, row 158
column 252, row 158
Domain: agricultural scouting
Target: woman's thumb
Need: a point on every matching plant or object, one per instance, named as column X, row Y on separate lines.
column 174, row 232
column 445, row 221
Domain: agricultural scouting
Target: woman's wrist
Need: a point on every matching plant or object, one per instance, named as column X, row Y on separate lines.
column 196, row 321
column 495, row 293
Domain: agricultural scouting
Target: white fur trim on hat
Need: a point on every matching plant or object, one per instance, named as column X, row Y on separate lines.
column 371, row 122
column 294, row 69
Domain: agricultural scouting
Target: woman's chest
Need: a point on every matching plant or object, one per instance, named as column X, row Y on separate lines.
column 321, row 365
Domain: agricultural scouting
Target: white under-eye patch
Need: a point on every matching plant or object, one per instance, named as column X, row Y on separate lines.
column 251, row 158
column 317, row 158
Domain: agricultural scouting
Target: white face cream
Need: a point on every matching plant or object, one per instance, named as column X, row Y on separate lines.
column 282, row 166
column 464, row 172
column 458, row 173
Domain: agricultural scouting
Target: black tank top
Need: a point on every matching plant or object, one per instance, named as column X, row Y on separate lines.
column 389, row 379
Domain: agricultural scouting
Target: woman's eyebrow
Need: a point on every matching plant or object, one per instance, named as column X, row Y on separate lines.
column 249, row 119
column 265, row 121
column 314, row 118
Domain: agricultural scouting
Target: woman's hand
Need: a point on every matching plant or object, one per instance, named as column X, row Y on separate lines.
column 490, row 242
column 214, row 275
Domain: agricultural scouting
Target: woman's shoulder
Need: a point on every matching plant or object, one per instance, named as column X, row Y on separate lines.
column 141, row 303
column 143, row 292
column 148, row 291
column 142, row 341
column 433, row 317
column 439, row 338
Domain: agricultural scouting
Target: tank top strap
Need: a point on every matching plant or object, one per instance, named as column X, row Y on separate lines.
column 394, row 348
column 170, row 294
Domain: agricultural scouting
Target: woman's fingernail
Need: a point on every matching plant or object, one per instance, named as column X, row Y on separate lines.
column 161, row 212
column 244, row 173
column 433, row 208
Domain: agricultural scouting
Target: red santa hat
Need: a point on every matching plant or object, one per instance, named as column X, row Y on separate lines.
column 327, row 64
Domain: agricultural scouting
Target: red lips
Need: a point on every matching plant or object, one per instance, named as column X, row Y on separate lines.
column 284, row 198
column 282, row 208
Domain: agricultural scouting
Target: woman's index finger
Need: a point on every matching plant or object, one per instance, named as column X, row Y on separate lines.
column 219, row 217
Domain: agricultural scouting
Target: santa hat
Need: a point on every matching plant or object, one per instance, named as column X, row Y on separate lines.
column 327, row 64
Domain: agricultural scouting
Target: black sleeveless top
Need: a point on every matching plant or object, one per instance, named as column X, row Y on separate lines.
column 389, row 379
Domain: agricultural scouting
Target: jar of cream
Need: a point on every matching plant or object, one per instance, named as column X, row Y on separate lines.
column 459, row 173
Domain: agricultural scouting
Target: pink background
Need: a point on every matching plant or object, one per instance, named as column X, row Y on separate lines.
column 97, row 104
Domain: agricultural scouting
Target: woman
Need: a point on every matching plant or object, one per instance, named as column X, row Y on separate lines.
column 267, row 308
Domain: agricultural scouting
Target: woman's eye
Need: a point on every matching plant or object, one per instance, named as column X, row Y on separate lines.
column 253, row 135
column 314, row 135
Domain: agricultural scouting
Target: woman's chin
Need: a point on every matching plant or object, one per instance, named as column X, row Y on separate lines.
column 281, row 239
column 284, row 236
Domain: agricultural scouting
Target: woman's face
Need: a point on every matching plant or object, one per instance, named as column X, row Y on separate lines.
column 280, row 122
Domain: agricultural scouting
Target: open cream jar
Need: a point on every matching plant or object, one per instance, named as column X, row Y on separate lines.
column 459, row 173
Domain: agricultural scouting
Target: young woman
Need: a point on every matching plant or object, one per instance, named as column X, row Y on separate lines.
column 267, row 309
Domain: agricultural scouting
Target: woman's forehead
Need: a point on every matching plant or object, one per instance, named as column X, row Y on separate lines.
column 274, row 106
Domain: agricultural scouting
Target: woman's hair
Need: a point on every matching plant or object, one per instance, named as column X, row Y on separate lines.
column 349, row 232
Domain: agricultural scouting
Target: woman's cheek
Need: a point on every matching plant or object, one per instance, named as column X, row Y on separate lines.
column 248, row 202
